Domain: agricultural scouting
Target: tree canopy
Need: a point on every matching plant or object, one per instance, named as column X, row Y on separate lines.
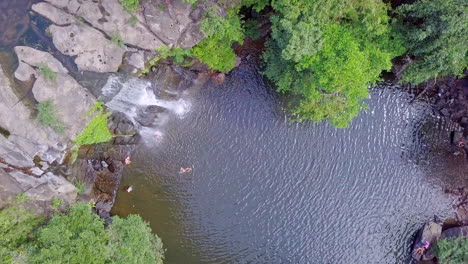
column 436, row 33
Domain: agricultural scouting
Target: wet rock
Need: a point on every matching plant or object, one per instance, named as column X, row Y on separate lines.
column 457, row 137
column 455, row 232
column 445, row 112
column 136, row 60
column 148, row 116
column 93, row 51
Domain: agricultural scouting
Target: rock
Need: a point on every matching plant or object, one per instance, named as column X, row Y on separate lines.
column 56, row 15
column 174, row 24
column 93, row 51
column 71, row 99
column 462, row 213
column 457, row 136
column 30, row 58
column 110, row 18
column 431, row 232
column 455, row 232
column 27, row 138
column 136, row 60
column 42, row 189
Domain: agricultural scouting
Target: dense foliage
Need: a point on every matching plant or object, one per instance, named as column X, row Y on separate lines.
column 221, row 32
column 47, row 115
column 16, row 226
column 452, row 251
column 76, row 237
column 436, row 33
column 328, row 53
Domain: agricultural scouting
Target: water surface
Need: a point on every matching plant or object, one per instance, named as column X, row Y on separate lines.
column 264, row 190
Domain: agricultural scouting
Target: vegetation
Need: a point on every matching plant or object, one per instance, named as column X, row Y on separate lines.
column 95, row 132
column 130, row 6
column 76, row 237
column 452, row 251
column 16, row 226
column 327, row 53
column 80, row 186
column 117, row 39
column 220, row 32
column 329, row 58
column 47, row 116
column 47, row 73
column 436, row 33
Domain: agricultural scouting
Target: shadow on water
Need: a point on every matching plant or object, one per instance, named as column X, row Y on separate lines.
column 264, row 190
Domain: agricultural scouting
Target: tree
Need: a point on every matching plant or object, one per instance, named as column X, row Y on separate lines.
column 436, row 33
column 330, row 57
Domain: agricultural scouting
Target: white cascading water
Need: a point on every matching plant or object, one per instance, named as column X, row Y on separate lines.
column 132, row 96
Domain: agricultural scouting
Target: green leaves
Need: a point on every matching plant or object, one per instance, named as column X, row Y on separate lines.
column 216, row 49
column 452, row 250
column 436, row 33
column 76, row 237
column 96, row 131
column 330, row 58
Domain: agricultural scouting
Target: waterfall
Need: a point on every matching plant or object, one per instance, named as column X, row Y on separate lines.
column 138, row 100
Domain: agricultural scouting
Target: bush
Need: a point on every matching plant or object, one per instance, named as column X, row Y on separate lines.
column 75, row 238
column 436, row 33
column 16, row 227
column 132, row 242
column 47, row 116
column 220, row 32
column 452, row 251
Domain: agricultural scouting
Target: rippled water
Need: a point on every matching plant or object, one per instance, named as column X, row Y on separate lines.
column 264, row 190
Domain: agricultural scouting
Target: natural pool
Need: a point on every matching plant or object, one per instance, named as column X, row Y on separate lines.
column 264, row 190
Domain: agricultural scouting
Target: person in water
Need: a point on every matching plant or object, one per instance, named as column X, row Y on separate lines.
column 184, row 170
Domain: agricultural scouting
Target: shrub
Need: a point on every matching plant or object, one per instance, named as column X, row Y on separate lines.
column 80, row 186
column 16, row 226
column 452, row 251
column 130, row 6
column 47, row 116
column 80, row 237
column 132, row 242
column 436, row 33
column 47, row 73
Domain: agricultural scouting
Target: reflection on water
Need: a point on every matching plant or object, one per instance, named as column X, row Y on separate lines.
column 264, row 190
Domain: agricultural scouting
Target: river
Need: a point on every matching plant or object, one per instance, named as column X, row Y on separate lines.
column 265, row 190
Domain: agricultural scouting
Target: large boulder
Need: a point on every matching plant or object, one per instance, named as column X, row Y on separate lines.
column 106, row 16
column 71, row 99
